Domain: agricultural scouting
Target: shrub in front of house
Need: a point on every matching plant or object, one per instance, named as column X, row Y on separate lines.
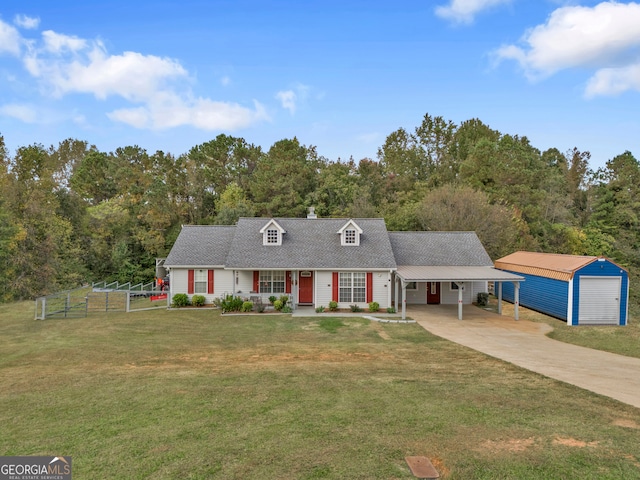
column 272, row 299
column 278, row 305
column 247, row 306
column 284, row 299
column 198, row 300
column 319, row 309
column 260, row 307
column 231, row 304
column 180, row 300
column 391, row 310
column 286, row 309
column 355, row 308
column 333, row 305
column 374, row 306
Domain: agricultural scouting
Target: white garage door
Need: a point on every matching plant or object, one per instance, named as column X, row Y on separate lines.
column 599, row 301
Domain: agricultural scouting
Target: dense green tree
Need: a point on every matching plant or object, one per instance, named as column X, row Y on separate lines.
column 284, row 180
column 94, row 178
column 336, row 189
column 232, row 205
column 461, row 208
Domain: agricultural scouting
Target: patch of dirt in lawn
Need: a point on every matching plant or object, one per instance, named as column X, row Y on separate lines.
column 626, row 423
column 255, row 360
column 512, row 445
column 380, row 331
column 572, row 442
column 632, row 459
column 438, row 464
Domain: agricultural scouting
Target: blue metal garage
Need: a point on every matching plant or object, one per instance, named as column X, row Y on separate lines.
column 581, row 290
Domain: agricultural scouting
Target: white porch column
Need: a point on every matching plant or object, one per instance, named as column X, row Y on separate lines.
column 295, row 297
column 404, row 300
column 460, row 288
column 396, row 287
column 516, row 298
column 499, row 297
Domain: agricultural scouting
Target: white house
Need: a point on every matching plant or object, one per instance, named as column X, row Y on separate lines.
column 317, row 260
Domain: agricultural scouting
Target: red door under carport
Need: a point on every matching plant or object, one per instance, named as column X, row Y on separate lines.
column 433, row 293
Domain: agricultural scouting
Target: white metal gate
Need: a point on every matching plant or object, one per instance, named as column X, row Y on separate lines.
column 599, row 302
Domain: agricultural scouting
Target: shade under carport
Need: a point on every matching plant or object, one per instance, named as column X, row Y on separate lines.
column 454, row 273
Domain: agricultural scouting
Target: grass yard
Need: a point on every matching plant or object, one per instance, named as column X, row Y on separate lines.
column 609, row 338
column 193, row 395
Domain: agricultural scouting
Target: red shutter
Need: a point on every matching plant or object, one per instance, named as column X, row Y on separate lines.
column 210, row 282
column 287, row 288
column 256, row 281
column 190, row 282
column 369, row 287
column 335, row 287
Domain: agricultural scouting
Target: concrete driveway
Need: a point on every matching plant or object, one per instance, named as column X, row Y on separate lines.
column 524, row 343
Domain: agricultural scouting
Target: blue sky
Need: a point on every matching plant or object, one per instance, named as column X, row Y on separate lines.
column 339, row 75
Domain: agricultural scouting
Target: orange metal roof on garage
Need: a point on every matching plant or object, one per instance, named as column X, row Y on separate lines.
column 549, row 265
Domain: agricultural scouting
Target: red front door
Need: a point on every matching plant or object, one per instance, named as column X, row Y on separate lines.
column 305, row 287
column 433, row 293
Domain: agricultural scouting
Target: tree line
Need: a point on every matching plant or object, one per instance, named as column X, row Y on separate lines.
column 72, row 214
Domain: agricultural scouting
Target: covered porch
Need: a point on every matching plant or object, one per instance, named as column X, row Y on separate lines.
column 456, row 275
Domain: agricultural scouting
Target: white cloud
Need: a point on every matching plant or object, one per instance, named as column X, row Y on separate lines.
column 605, row 37
column 132, row 76
column 23, row 113
column 464, row 11
column 169, row 111
column 225, row 81
column 288, row 100
column 154, row 86
column 292, row 98
column 613, row 81
column 10, row 39
column 58, row 43
column 28, row 23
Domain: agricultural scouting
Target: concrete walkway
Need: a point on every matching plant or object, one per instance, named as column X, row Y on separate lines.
column 524, row 343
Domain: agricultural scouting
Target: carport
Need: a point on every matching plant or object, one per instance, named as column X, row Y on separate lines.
column 458, row 275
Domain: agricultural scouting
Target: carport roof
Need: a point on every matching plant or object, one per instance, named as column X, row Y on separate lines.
column 455, row 274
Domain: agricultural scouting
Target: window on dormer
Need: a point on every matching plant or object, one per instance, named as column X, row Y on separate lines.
column 350, row 237
column 350, row 234
column 272, row 236
column 272, row 233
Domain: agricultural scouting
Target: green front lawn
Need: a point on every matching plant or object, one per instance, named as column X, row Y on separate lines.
column 190, row 394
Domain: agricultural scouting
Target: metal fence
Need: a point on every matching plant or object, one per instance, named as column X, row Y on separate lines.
column 100, row 297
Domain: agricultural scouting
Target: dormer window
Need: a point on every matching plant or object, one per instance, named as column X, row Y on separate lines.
column 272, row 236
column 272, row 233
column 350, row 237
column 350, row 234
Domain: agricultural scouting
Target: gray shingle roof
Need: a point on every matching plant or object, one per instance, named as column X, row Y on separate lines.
column 315, row 244
column 439, row 249
column 201, row 245
column 311, row 244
